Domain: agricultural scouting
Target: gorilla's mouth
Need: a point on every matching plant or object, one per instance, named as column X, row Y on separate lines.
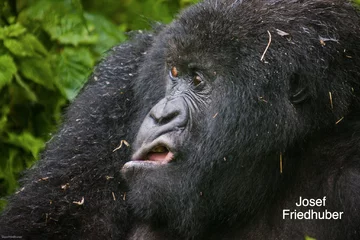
column 147, row 158
column 151, row 155
column 159, row 154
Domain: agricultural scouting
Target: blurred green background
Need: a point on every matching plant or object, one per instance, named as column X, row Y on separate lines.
column 48, row 49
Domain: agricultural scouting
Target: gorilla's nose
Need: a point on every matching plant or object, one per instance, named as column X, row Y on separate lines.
column 168, row 115
column 171, row 114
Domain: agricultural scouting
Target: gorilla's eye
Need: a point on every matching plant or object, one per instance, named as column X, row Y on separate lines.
column 197, row 80
column 174, row 72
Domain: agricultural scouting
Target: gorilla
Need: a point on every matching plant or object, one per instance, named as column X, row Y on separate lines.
column 238, row 120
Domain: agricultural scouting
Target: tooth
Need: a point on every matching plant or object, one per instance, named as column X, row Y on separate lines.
column 159, row 149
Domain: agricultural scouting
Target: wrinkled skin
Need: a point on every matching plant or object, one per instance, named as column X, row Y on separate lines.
column 209, row 113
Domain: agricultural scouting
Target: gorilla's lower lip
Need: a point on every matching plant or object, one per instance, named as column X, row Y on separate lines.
column 155, row 160
column 139, row 164
column 132, row 168
column 160, row 157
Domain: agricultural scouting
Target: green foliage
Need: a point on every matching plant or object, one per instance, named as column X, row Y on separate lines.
column 47, row 51
column 309, row 238
column 138, row 14
column 7, row 70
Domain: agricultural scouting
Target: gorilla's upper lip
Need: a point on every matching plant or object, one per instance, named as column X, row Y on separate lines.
column 159, row 151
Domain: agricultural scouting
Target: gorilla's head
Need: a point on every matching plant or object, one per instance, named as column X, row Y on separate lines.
column 219, row 115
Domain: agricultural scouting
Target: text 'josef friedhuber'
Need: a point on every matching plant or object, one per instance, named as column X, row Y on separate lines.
column 311, row 213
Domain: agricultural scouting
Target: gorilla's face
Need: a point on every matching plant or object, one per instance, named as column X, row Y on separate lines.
column 170, row 122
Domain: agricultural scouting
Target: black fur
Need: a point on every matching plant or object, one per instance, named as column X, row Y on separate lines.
column 225, row 181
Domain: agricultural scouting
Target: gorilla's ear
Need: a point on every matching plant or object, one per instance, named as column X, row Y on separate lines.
column 299, row 90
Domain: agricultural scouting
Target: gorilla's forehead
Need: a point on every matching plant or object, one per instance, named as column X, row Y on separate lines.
column 197, row 34
column 216, row 32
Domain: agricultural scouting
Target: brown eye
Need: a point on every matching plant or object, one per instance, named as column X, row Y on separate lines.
column 174, row 72
column 197, row 80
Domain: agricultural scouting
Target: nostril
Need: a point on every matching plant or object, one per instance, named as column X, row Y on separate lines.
column 164, row 116
column 168, row 118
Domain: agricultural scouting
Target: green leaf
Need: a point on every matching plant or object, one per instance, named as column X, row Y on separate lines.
column 109, row 34
column 71, row 30
column 7, row 70
column 18, row 48
column 73, row 67
column 14, row 30
column 27, row 142
column 34, row 43
column 37, row 70
column 27, row 45
column 24, row 91
column 309, row 238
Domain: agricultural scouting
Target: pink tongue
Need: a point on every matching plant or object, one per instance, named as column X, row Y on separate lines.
column 160, row 157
